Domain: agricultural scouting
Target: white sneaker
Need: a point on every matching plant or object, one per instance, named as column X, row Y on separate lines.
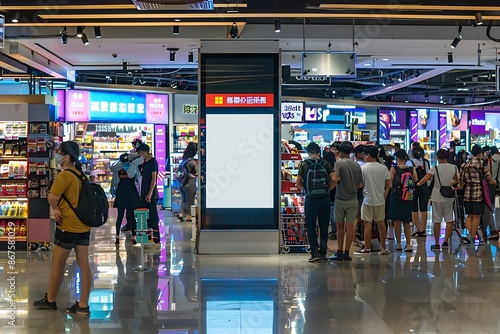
column 384, row 252
column 399, row 247
column 408, row 248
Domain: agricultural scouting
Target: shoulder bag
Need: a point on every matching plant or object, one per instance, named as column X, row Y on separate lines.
column 445, row 191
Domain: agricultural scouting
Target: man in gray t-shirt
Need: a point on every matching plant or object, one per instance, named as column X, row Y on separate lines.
column 350, row 179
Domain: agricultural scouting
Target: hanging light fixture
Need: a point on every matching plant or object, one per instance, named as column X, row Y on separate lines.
column 172, row 51
column 79, row 31
column 175, row 30
column 16, row 17
column 97, row 31
column 64, row 36
column 85, row 40
column 190, row 57
column 478, row 18
column 233, row 33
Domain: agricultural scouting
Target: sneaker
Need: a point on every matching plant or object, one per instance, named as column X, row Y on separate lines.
column 399, row 247
column 384, row 252
column 322, row 258
column 333, row 236
column 408, row 248
column 493, row 236
column 363, row 251
column 44, row 304
column 415, row 234
column 346, row 257
column 77, row 309
column 465, row 241
column 313, row 258
column 435, row 247
column 482, row 242
column 444, row 245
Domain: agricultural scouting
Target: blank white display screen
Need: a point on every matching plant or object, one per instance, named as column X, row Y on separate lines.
column 239, row 161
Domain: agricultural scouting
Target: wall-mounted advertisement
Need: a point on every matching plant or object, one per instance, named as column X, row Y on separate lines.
column 335, row 115
column 120, row 107
column 390, row 120
column 478, row 122
column 185, row 109
column 2, row 31
column 428, row 119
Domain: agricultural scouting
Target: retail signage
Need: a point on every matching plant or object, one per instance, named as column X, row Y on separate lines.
column 2, row 31
column 413, row 126
column 442, row 127
column 341, row 116
column 120, row 107
column 478, row 123
column 161, row 152
column 428, row 119
column 292, row 112
column 297, row 79
column 239, row 100
column 347, row 119
column 185, row 109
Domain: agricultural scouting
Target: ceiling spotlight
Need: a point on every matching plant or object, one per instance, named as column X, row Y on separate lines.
column 85, row 40
column 172, row 51
column 277, row 25
column 97, row 31
column 16, row 17
column 190, row 57
column 234, row 31
column 125, row 66
column 450, row 57
column 79, row 32
column 478, row 18
column 455, row 42
column 175, row 30
column 174, row 85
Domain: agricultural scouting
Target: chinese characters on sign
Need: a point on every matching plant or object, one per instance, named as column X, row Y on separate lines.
column 240, row 100
column 190, row 109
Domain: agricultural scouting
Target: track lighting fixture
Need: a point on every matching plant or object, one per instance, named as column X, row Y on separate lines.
column 16, row 17
column 79, row 31
column 85, row 40
column 277, row 25
column 125, row 66
column 233, row 33
column 175, row 30
column 478, row 18
column 190, row 57
column 455, row 42
column 172, row 51
column 450, row 57
column 97, row 31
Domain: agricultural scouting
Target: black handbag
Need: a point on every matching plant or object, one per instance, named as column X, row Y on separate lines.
column 445, row 191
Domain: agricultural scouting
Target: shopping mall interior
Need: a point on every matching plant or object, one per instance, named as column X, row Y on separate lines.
column 252, row 82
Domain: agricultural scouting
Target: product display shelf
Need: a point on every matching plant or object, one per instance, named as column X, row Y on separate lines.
column 14, row 184
column 293, row 224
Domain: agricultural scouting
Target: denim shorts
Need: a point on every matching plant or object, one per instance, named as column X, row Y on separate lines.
column 68, row 240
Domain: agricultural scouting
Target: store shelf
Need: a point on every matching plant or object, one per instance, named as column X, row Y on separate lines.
column 13, row 217
column 12, row 178
column 112, row 150
column 291, row 157
column 14, row 157
column 289, row 187
column 17, row 238
column 13, row 197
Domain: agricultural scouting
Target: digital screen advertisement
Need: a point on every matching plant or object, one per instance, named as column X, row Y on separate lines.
column 428, row 119
column 478, row 122
column 161, row 153
column 334, row 115
column 239, row 127
column 457, row 120
column 123, row 107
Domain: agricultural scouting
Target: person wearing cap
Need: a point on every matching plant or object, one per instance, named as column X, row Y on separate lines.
column 127, row 198
column 317, row 209
column 471, row 176
column 350, row 179
column 377, row 183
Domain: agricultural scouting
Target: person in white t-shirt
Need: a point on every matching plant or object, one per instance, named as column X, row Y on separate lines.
column 444, row 174
column 377, row 183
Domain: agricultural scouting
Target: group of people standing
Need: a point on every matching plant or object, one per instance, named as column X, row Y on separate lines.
column 361, row 178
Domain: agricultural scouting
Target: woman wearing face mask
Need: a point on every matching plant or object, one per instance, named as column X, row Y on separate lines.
column 70, row 233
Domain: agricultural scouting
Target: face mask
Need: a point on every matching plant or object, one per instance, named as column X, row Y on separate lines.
column 59, row 158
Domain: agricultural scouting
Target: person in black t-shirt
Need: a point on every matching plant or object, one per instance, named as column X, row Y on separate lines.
column 149, row 190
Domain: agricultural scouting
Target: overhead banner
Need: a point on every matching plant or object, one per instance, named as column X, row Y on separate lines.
column 117, row 107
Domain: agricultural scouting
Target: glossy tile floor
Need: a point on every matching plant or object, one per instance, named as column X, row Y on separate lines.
column 457, row 291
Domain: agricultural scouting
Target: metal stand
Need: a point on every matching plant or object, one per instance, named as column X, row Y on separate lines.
column 142, row 220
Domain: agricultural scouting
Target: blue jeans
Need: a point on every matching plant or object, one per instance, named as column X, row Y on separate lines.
column 317, row 209
column 332, row 218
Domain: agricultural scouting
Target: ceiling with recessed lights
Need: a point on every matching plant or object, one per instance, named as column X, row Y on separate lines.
column 404, row 50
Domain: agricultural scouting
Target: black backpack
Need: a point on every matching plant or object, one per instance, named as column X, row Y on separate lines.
column 93, row 206
column 421, row 170
column 317, row 179
column 184, row 174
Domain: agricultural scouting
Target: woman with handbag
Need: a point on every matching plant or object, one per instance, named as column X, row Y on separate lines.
column 442, row 196
column 187, row 179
